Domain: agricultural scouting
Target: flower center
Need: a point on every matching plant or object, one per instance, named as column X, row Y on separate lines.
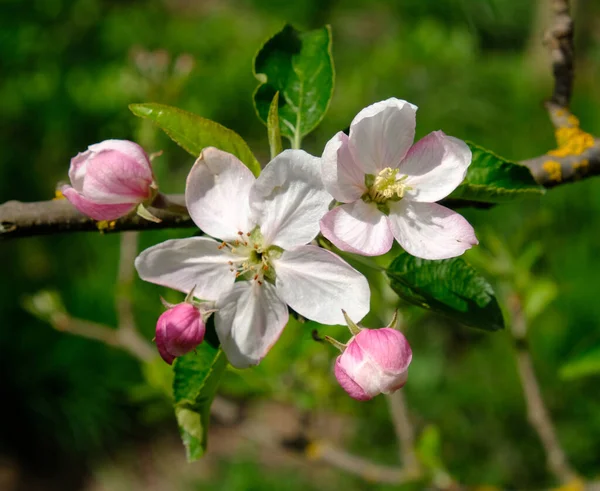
column 254, row 263
column 387, row 185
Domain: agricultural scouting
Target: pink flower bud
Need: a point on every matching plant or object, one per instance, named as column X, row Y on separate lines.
column 178, row 331
column 375, row 361
column 109, row 179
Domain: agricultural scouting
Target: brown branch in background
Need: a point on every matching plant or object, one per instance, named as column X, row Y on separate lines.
column 403, row 429
column 126, row 330
column 559, row 39
column 19, row 219
column 368, row 470
column 578, row 152
column 537, row 413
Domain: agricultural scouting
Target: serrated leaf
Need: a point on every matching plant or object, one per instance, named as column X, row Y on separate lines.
column 582, row 366
column 273, row 129
column 299, row 66
column 492, row 179
column 450, row 287
column 194, row 133
column 197, row 377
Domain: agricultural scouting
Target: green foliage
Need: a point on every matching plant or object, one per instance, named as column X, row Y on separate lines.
column 584, row 365
column 492, row 179
column 197, row 377
column 450, row 287
column 194, row 133
column 299, row 66
column 273, row 130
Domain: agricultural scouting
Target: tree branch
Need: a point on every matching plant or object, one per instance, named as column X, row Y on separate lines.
column 19, row 219
column 559, row 39
column 537, row 413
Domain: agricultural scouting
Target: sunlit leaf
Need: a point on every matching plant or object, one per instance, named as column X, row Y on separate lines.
column 273, row 129
column 492, row 179
column 299, row 66
column 193, row 132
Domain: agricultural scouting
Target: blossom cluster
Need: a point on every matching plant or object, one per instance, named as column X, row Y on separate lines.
column 258, row 256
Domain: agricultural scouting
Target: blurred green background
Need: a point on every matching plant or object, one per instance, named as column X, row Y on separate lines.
column 77, row 414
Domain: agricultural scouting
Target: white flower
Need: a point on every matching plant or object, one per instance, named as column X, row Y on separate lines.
column 389, row 187
column 262, row 262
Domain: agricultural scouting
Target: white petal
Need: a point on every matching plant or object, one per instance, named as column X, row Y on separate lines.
column 429, row 230
column 216, row 194
column 250, row 319
column 288, row 199
column 183, row 264
column 435, row 166
column 341, row 176
column 358, row 227
column 381, row 134
column 318, row 284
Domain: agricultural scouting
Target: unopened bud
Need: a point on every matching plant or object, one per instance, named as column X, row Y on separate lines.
column 110, row 179
column 179, row 330
column 375, row 361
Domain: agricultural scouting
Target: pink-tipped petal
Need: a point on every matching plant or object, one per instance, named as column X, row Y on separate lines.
column 435, row 166
column 161, row 343
column 393, row 353
column 185, row 264
column 216, row 194
column 359, row 228
column 179, row 330
column 318, row 284
column 381, row 134
column 113, row 177
column 288, row 199
column 342, row 177
column 429, row 230
column 249, row 320
column 350, row 386
column 128, row 149
column 95, row 210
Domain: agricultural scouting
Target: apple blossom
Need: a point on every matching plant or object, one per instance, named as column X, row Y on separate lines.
column 388, row 186
column 110, row 179
column 179, row 330
column 374, row 361
column 262, row 261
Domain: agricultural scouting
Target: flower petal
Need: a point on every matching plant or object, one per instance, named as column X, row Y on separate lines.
column 288, row 199
column 435, row 166
column 350, row 386
column 95, row 210
column 112, row 177
column 359, row 228
column 381, row 134
column 386, row 347
column 250, row 319
column 183, row 264
column 129, row 149
column 429, row 230
column 217, row 193
column 78, row 168
column 318, row 284
column 342, row 177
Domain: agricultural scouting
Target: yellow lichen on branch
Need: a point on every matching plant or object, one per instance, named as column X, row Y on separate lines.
column 571, row 139
column 552, row 167
column 105, row 225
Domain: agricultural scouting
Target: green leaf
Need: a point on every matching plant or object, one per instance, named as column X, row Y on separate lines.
column 273, row 129
column 583, row 366
column 193, row 133
column 450, row 287
column 492, row 179
column 197, row 377
column 299, row 66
